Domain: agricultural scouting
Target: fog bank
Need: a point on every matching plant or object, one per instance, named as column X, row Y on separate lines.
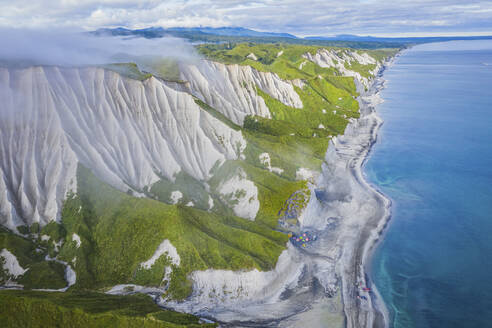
column 30, row 47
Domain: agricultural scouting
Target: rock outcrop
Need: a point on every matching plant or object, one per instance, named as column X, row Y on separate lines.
column 128, row 132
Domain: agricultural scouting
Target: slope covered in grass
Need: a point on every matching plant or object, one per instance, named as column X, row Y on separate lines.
column 31, row 257
column 48, row 309
column 284, row 59
column 119, row 231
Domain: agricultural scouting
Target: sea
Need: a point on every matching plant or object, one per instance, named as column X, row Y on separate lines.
column 433, row 159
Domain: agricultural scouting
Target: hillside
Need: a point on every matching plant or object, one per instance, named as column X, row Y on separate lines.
column 116, row 180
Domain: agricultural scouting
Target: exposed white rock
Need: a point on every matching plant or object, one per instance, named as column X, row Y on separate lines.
column 128, row 132
column 302, row 64
column 265, row 160
column 231, row 89
column 76, row 239
column 70, row 275
column 210, row 202
column 298, row 83
column 277, row 170
column 57, row 245
column 363, row 58
column 45, row 237
column 190, row 204
column 305, row 174
column 242, row 194
column 321, row 126
column 11, row 264
column 164, row 248
column 252, row 56
column 255, row 295
column 253, row 282
column 176, row 195
column 338, row 58
column 280, row 53
column 323, row 111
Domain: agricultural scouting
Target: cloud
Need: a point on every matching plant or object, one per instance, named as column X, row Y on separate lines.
column 299, row 17
column 51, row 47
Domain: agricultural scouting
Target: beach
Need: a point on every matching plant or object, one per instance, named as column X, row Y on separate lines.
column 361, row 210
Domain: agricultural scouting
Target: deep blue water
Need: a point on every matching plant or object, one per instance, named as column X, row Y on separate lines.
column 434, row 160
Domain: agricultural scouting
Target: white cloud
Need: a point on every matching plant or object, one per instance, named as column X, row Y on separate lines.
column 295, row 16
column 67, row 48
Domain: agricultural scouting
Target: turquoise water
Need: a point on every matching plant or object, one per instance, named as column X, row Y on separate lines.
column 434, row 160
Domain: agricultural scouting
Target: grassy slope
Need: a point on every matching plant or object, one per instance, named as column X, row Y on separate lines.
column 119, row 231
column 287, row 64
column 44, row 309
column 40, row 274
column 293, row 137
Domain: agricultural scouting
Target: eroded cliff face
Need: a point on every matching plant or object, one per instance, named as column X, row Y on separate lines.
column 231, row 89
column 128, row 132
column 132, row 134
column 342, row 60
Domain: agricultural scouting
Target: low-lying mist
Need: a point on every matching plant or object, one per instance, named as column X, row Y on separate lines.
column 29, row 47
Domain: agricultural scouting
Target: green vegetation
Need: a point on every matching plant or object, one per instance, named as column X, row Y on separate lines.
column 130, row 70
column 273, row 190
column 221, row 39
column 118, row 232
column 218, row 115
column 293, row 137
column 42, row 309
column 166, row 68
column 40, row 273
column 193, row 190
column 161, row 67
column 364, row 70
column 284, row 59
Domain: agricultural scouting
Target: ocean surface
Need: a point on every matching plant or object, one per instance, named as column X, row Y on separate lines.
column 433, row 158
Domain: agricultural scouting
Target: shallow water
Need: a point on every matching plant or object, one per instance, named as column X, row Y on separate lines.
column 434, row 160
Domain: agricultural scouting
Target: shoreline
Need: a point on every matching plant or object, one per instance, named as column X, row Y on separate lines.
column 318, row 285
column 376, row 313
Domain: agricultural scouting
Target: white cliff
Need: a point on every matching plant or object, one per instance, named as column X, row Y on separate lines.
column 11, row 264
column 231, row 89
column 127, row 132
column 338, row 58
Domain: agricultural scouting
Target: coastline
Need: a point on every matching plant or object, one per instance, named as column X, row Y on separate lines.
column 374, row 313
column 309, row 285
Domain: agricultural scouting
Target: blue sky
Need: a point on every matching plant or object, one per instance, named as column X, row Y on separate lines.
column 300, row 17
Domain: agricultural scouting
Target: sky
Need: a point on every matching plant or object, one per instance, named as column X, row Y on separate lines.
column 299, row 17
